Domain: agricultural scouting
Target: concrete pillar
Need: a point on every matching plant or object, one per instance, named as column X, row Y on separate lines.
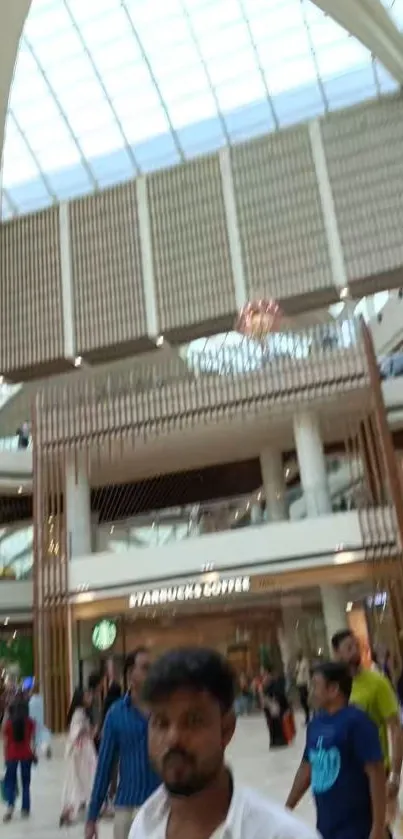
column 271, row 464
column 78, row 509
column 334, row 611
column 312, row 465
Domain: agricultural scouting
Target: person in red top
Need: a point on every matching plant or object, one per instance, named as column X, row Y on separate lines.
column 18, row 732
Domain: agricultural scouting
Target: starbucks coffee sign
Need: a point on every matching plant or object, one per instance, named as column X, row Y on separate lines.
column 104, row 635
column 190, row 591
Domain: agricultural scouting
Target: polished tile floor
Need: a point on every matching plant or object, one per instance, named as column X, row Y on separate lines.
column 249, row 755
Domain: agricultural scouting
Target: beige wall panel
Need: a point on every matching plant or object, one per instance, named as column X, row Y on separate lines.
column 31, row 296
column 192, row 267
column 280, row 217
column 107, row 272
column 364, row 152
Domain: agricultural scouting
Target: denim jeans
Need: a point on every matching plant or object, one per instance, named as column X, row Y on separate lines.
column 10, row 783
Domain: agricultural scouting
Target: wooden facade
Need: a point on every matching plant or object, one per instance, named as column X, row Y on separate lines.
column 100, row 422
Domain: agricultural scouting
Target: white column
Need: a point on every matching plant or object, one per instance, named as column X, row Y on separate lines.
column 336, row 254
column 234, row 237
column 67, row 281
column 78, row 509
column 288, row 635
column 312, row 465
column 334, row 611
column 146, row 249
column 271, row 464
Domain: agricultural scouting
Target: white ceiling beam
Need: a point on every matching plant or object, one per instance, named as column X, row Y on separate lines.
column 12, row 18
column 371, row 24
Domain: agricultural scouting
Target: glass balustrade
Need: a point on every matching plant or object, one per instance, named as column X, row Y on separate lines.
column 161, row 528
column 16, row 553
column 10, row 444
column 168, row 526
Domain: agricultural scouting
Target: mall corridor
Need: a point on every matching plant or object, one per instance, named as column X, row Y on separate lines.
column 253, row 764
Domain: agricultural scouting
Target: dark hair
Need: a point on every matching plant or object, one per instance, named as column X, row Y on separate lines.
column 335, row 673
column 341, row 636
column 195, row 668
column 131, row 660
column 19, row 713
column 76, row 702
column 94, row 680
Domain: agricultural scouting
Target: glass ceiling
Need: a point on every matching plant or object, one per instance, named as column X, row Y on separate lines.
column 104, row 90
column 395, row 7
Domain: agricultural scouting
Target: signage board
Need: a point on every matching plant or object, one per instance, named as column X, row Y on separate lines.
column 185, row 592
column 104, row 635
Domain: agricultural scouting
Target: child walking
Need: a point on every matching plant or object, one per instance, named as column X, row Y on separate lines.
column 19, row 733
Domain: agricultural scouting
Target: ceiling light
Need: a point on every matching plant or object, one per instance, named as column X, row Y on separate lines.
column 159, row 341
column 349, row 606
column 6, row 621
column 78, row 361
column 344, row 293
column 20, row 490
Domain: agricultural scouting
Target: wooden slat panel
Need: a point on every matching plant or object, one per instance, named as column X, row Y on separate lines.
column 193, row 274
column 364, row 152
column 31, row 316
column 107, row 271
column 280, row 216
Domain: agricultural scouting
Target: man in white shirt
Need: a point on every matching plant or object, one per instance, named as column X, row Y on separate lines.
column 190, row 695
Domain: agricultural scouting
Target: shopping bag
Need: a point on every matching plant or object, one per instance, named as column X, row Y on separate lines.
column 289, row 731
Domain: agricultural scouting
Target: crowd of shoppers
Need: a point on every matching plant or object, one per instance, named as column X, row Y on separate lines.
column 161, row 749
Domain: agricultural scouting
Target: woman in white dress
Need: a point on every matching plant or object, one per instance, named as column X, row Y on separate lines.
column 81, row 758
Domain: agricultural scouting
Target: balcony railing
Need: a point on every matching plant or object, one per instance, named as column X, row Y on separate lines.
column 208, row 386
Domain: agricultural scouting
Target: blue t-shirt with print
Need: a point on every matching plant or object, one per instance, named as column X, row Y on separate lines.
column 338, row 746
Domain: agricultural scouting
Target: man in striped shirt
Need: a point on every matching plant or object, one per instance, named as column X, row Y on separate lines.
column 124, row 740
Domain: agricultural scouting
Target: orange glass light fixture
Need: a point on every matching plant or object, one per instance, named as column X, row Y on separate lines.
column 259, row 318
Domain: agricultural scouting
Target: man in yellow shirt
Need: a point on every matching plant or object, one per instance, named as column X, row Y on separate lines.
column 374, row 694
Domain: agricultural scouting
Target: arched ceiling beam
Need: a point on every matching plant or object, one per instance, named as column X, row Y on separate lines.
column 370, row 23
column 13, row 15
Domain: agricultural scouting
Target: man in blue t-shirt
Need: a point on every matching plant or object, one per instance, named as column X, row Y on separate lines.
column 342, row 762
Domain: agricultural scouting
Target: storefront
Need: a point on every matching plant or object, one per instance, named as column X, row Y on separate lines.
column 16, row 650
column 252, row 619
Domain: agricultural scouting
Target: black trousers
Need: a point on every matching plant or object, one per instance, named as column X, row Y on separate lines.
column 303, row 698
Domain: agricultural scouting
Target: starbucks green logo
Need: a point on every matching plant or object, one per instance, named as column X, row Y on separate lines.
column 104, row 635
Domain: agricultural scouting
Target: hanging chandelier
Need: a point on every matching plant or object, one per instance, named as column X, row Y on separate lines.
column 259, row 318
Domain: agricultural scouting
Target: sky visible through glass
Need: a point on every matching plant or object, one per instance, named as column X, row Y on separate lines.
column 107, row 89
